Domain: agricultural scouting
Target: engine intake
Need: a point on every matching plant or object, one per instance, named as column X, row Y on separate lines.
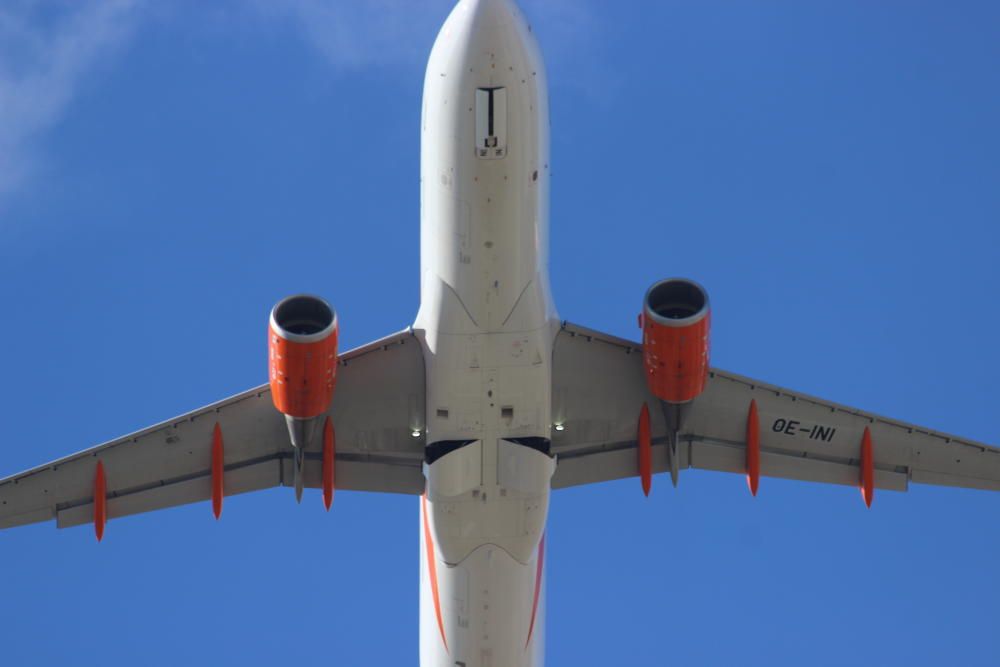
column 676, row 320
column 302, row 356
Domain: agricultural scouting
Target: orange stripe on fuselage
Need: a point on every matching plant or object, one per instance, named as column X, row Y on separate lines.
column 432, row 571
column 538, row 588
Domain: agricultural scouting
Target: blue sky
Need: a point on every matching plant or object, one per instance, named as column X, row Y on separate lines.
column 828, row 170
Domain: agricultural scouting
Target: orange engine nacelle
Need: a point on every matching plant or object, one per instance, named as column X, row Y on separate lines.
column 302, row 356
column 675, row 326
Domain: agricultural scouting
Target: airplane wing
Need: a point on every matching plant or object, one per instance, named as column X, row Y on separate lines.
column 377, row 409
column 599, row 387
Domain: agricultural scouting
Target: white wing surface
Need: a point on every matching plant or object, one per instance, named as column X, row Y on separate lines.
column 377, row 409
column 599, row 388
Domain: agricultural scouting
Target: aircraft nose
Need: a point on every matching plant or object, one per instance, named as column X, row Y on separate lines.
column 490, row 6
column 488, row 19
column 481, row 38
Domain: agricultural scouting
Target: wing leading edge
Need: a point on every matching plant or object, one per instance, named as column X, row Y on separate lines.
column 599, row 388
column 598, row 391
column 378, row 407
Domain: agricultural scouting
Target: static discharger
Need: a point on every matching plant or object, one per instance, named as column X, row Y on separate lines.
column 329, row 451
column 100, row 501
column 218, row 471
column 867, row 468
column 645, row 450
column 753, row 449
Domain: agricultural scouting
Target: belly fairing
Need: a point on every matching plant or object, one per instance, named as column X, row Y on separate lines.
column 491, row 606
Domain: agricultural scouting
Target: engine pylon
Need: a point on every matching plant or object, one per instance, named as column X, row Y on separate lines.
column 301, row 433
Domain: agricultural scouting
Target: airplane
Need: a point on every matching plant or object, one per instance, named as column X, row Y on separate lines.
column 489, row 400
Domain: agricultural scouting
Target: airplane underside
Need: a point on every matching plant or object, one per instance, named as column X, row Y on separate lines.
column 489, row 402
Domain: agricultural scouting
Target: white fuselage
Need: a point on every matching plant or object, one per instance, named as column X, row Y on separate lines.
column 486, row 323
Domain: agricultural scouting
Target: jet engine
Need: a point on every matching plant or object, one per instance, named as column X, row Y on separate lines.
column 675, row 329
column 302, row 367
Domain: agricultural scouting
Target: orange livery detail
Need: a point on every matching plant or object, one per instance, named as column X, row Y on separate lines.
column 539, row 571
column 867, row 476
column 302, row 356
column 675, row 330
column 645, row 450
column 218, row 471
column 432, row 570
column 100, row 501
column 753, row 448
column 329, row 453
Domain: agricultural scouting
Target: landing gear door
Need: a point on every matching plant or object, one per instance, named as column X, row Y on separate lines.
column 491, row 123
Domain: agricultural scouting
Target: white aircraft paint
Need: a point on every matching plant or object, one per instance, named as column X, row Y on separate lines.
column 487, row 324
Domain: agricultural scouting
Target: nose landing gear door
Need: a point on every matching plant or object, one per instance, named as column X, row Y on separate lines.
column 491, row 123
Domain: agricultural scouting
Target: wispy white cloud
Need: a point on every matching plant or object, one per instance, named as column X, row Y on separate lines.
column 352, row 34
column 50, row 50
column 46, row 52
